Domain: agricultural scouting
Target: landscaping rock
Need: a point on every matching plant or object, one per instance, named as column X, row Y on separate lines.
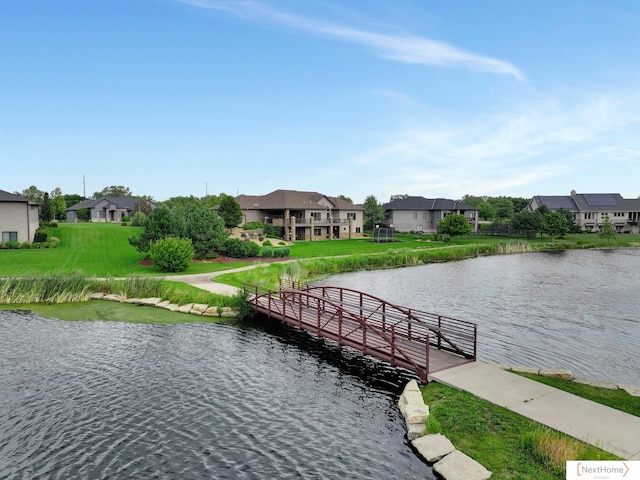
column 185, row 308
column 415, row 430
column 556, row 373
column 153, row 301
column 112, row 297
column 211, row 312
column 416, row 413
column 228, row 313
column 96, row 296
column 596, row 383
column 532, row 371
column 631, row 390
column 200, row 307
column 458, row 466
column 172, row 307
column 433, row 447
column 163, row 304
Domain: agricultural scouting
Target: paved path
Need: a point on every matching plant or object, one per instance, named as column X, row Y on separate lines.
column 206, row 281
column 604, row 427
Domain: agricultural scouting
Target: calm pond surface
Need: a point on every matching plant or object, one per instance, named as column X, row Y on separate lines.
column 98, row 400
column 568, row 309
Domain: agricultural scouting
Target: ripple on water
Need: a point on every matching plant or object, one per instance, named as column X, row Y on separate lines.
column 109, row 400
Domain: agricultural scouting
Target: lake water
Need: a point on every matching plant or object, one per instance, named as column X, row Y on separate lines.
column 568, row 309
column 98, row 400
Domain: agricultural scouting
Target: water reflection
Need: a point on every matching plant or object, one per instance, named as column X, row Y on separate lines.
column 112, row 400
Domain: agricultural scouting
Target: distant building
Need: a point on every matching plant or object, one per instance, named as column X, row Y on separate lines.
column 304, row 215
column 418, row 214
column 19, row 218
column 106, row 209
column 591, row 209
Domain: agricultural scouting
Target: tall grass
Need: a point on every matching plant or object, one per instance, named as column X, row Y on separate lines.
column 57, row 288
column 513, row 247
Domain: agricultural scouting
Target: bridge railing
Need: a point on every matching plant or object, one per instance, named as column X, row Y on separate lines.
column 399, row 343
column 446, row 333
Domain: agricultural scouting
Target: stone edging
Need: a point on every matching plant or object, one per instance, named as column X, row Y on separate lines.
column 436, row 449
column 568, row 375
column 190, row 308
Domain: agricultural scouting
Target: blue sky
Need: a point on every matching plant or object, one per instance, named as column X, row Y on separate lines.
column 343, row 97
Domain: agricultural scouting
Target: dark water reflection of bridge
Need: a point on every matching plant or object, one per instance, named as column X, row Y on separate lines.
column 418, row 341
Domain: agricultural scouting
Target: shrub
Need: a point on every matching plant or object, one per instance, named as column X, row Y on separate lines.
column 237, row 248
column 41, row 235
column 285, row 251
column 139, row 218
column 54, row 242
column 253, row 226
column 267, row 252
column 25, row 246
column 125, row 219
column 172, row 254
column 12, row 244
column 267, row 243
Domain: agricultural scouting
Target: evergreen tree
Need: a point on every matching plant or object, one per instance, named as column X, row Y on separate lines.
column 206, row 230
column 160, row 224
column 45, row 210
column 230, row 211
column 373, row 211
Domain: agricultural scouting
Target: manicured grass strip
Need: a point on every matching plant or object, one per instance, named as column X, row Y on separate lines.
column 504, row 442
column 112, row 312
column 618, row 399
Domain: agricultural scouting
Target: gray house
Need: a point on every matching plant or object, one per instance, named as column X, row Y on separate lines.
column 105, row 209
column 304, row 215
column 18, row 218
column 418, row 214
column 589, row 210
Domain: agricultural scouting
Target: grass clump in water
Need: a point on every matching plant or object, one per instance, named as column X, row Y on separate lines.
column 57, row 288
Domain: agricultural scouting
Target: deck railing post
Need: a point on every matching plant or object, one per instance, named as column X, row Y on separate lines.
column 393, row 344
column 409, row 322
column 439, row 332
column 427, row 359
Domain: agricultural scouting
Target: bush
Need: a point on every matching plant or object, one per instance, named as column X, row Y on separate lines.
column 253, row 226
column 172, row 254
column 25, row 246
column 125, row 219
column 54, row 242
column 139, row 218
column 11, row 244
column 41, row 235
column 237, row 248
column 267, row 243
column 267, row 252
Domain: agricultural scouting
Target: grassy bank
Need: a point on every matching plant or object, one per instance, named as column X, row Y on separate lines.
column 75, row 287
column 504, row 442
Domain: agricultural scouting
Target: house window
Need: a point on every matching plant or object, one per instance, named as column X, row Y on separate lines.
column 317, row 232
column 351, row 215
column 357, row 229
column 415, row 215
column 9, row 237
column 424, row 215
column 587, row 216
column 317, row 216
column 418, row 228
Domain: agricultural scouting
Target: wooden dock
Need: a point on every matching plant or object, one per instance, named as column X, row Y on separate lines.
column 418, row 341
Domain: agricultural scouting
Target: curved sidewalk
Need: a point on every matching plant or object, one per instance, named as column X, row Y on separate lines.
column 604, row 427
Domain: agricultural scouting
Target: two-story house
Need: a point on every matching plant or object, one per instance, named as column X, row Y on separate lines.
column 304, row 215
column 418, row 214
column 19, row 218
column 590, row 210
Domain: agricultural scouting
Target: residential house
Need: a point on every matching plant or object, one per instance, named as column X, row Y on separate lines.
column 590, row 210
column 105, row 209
column 18, row 218
column 304, row 215
column 418, row 214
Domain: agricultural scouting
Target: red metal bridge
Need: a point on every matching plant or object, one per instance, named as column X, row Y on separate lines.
column 418, row 341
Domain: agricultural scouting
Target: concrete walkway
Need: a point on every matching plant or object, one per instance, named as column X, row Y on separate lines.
column 604, row 427
column 206, row 281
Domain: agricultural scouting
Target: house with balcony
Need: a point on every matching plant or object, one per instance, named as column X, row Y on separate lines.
column 304, row 215
column 106, row 209
column 590, row 210
column 19, row 218
column 418, row 214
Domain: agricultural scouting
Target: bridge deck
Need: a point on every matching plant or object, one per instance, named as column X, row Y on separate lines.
column 402, row 343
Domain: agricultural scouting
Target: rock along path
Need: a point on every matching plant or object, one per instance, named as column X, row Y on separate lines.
column 604, row 427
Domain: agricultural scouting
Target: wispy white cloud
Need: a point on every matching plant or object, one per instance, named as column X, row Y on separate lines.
column 518, row 151
column 410, row 49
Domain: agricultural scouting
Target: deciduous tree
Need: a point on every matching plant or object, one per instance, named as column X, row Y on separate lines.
column 373, row 211
column 454, row 225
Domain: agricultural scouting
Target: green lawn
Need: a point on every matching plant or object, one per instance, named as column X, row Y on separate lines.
column 99, row 249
